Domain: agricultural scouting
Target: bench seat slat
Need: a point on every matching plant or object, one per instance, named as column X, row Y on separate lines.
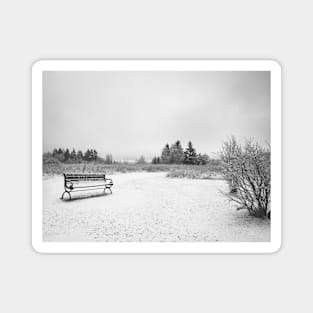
column 84, row 175
column 90, row 186
column 86, row 179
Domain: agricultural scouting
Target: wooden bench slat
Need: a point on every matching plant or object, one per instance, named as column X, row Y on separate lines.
column 89, row 186
column 87, row 174
column 85, row 179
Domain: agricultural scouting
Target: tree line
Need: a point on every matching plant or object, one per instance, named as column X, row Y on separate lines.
column 170, row 154
column 65, row 155
column 176, row 154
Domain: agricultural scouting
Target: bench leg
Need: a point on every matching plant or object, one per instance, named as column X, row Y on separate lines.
column 69, row 194
column 108, row 188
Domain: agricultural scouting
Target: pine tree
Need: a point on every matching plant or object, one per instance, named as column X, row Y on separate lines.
column 108, row 159
column 55, row 152
column 73, row 155
column 87, row 155
column 166, row 154
column 60, row 155
column 202, row 159
column 156, row 160
column 141, row 160
column 176, row 153
column 66, row 155
column 79, row 156
column 90, row 155
column 95, row 154
column 190, row 154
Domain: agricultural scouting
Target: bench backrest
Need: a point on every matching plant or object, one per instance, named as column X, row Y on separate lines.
column 84, row 177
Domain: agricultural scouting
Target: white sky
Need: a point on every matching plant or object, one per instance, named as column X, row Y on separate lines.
column 130, row 114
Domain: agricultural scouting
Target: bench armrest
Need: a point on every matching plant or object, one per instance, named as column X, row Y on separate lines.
column 109, row 181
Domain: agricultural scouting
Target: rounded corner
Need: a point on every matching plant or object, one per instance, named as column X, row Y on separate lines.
column 276, row 65
column 276, row 247
column 36, row 248
column 37, row 65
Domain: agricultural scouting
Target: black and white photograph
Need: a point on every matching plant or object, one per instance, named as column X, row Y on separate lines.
column 156, row 156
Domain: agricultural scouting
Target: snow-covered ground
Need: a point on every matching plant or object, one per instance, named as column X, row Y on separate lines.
column 148, row 207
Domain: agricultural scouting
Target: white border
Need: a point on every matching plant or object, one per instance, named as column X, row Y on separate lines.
column 156, row 65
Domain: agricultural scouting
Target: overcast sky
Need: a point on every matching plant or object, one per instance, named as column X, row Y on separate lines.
column 130, row 114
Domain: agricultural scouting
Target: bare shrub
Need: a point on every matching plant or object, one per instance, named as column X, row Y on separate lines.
column 247, row 169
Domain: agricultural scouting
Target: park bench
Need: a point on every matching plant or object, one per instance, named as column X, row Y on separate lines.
column 83, row 182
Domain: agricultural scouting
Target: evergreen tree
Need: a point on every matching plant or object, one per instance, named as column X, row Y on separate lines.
column 55, row 152
column 90, row 155
column 66, row 155
column 95, row 154
column 79, row 156
column 155, row 160
column 202, row 159
column 108, row 159
column 87, row 155
column 141, row 160
column 190, row 154
column 60, row 155
column 73, row 155
column 166, row 154
column 176, row 153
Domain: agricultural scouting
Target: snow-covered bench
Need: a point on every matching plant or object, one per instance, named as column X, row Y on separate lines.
column 82, row 182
